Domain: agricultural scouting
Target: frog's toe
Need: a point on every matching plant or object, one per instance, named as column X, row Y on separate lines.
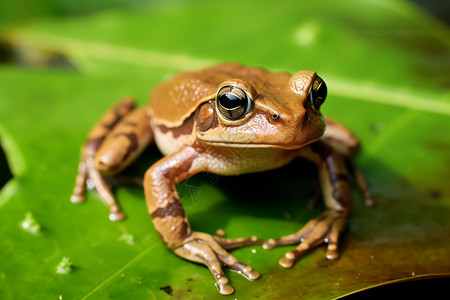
column 225, row 289
column 77, row 198
column 116, row 214
column 327, row 228
column 285, row 240
column 237, row 243
column 332, row 252
column 205, row 249
column 201, row 252
column 244, row 269
column 270, row 244
column 332, row 238
column 229, row 260
column 288, row 260
column 290, row 257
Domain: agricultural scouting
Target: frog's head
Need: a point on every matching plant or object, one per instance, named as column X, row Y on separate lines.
column 279, row 111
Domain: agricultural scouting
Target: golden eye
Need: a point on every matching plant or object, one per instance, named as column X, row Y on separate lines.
column 232, row 102
column 318, row 92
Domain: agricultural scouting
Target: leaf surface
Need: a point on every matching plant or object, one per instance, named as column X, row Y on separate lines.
column 386, row 66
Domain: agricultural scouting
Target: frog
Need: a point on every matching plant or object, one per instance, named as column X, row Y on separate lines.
column 198, row 120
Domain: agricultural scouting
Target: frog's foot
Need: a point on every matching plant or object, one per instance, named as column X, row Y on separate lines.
column 210, row 251
column 326, row 228
column 89, row 176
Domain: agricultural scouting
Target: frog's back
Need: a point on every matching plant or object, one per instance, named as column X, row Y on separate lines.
column 174, row 100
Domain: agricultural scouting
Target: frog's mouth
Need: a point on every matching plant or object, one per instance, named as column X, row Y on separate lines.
column 257, row 145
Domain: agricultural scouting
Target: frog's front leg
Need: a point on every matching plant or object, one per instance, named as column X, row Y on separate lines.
column 170, row 220
column 113, row 143
column 327, row 227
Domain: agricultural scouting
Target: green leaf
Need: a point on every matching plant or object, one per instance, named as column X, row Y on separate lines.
column 386, row 66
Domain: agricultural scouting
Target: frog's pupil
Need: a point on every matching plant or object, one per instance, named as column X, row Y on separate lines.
column 231, row 101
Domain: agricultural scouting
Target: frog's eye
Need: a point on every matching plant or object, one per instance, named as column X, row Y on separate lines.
column 318, row 92
column 232, row 102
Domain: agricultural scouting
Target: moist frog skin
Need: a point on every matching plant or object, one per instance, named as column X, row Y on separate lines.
column 197, row 119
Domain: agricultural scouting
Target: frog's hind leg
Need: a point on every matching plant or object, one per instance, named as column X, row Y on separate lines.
column 114, row 142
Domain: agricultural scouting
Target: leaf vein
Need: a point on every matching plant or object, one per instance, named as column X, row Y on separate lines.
column 120, row 270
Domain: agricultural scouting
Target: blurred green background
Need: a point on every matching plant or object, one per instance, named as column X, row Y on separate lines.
column 24, row 11
column 63, row 63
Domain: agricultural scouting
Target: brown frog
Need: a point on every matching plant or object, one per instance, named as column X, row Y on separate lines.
column 197, row 120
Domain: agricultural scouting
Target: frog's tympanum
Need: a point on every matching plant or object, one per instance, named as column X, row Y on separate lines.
column 197, row 120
